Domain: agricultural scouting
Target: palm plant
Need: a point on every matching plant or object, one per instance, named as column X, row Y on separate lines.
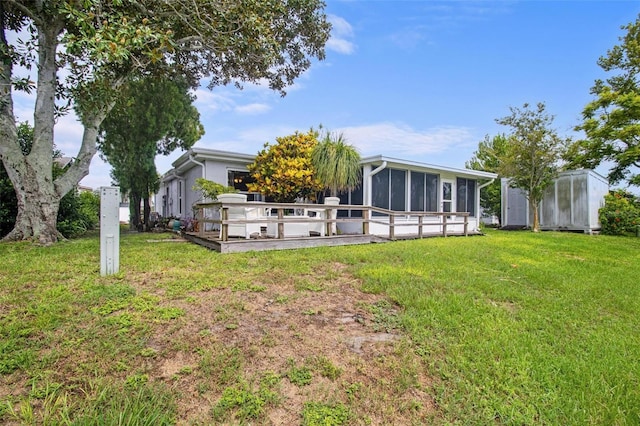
column 336, row 163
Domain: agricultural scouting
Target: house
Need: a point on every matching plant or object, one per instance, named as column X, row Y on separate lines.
column 571, row 203
column 387, row 183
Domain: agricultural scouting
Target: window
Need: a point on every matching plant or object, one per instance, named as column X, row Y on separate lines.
column 398, row 190
column 424, row 192
column 466, row 196
column 380, row 189
column 354, row 198
column 388, row 189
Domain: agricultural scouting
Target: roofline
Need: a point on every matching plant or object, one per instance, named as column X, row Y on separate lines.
column 212, row 154
column 465, row 172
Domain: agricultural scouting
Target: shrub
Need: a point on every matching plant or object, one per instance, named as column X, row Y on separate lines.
column 620, row 214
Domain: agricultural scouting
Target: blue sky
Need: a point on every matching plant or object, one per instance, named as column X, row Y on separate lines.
column 418, row 80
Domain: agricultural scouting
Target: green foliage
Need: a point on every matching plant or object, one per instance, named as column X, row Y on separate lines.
column 533, row 153
column 319, row 414
column 336, row 164
column 86, row 51
column 612, row 120
column 487, row 158
column 152, row 116
column 284, row 171
column 210, row 190
column 246, row 403
column 78, row 213
column 620, row 214
column 299, row 376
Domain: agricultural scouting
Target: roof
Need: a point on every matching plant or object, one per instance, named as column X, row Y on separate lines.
column 406, row 164
column 186, row 161
column 200, row 154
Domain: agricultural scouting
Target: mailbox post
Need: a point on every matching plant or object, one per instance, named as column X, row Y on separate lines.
column 109, row 230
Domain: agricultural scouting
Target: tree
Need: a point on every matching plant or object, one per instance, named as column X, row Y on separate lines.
column 77, row 212
column 284, row 171
column 82, row 52
column 336, row 163
column 487, row 158
column 152, row 116
column 611, row 122
column 533, row 155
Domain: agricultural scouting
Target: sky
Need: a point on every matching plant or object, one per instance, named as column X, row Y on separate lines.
column 417, row 80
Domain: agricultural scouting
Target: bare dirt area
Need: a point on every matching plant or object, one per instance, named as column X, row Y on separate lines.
column 322, row 339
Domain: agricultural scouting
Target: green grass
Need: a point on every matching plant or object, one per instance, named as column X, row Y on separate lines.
column 512, row 328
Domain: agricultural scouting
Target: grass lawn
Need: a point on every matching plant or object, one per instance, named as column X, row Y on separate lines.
column 508, row 328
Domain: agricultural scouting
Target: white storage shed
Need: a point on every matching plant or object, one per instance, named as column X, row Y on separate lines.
column 571, row 203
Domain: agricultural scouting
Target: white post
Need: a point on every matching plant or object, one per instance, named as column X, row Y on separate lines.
column 109, row 230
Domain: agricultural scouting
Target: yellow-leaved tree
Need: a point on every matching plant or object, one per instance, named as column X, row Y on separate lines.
column 284, row 171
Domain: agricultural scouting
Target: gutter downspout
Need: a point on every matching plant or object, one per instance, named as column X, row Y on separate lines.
column 369, row 185
column 204, row 170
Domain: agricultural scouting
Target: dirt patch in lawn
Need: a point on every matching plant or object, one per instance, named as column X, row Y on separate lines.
column 346, row 343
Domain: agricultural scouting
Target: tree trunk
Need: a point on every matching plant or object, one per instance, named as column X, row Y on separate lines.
column 37, row 211
column 147, row 213
column 536, row 219
column 134, row 212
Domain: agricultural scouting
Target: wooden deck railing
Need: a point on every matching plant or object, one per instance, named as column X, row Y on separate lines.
column 369, row 215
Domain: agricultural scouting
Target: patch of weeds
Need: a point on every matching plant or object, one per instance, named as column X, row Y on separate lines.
column 247, row 286
column 299, row 376
column 221, row 365
column 319, row 414
column 311, row 312
column 136, row 380
column 385, row 317
column 148, row 353
column 42, row 388
column 282, row 299
column 353, row 390
column 306, row 285
column 169, row 313
column 231, row 326
column 141, row 404
column 326, row 368
column 185, row 371
column 15, row 354
column 243, row 403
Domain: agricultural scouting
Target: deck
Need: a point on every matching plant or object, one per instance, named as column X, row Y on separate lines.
column 257, row 226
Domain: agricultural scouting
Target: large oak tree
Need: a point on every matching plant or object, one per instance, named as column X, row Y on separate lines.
column 82, row 51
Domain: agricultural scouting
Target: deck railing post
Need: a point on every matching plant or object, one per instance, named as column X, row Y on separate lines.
column 444, row 225
column 466, row 225
column 392, row 221
column 280, row 223
column 420, row 220
column 366, row 214
column 224, row 229
column 201, row 224
column 328, row 214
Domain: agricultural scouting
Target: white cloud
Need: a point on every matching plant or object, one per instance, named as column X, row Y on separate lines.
column 341, row 32
column 400, row 140
column 252, row 109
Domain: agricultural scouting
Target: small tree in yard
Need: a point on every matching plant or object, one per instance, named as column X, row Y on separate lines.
column 336, row 163
column 487, row 159
column 533, row 154
column 284, row 171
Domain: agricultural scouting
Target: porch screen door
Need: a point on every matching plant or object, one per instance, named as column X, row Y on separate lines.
column 447, row 196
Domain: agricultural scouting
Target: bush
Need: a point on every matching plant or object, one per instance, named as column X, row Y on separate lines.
column 620, row 214
column 78, row 213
